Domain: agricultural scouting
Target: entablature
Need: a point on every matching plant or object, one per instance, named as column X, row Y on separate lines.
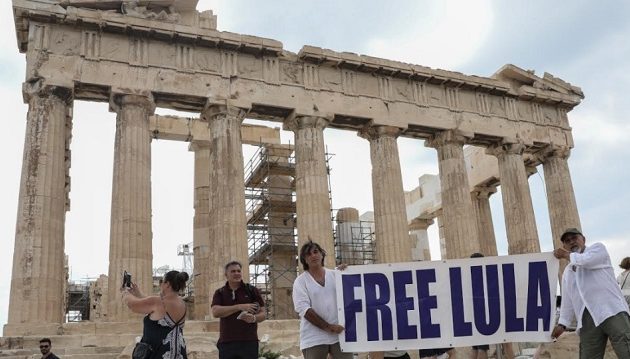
column 96, row 53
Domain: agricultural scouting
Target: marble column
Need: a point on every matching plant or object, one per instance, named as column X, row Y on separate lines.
column 130, row 246
column 228, row 223
column 282, row 265
column 418, row 232
column 480, row 197
column 201, row 230
column 460, row 230
column 311, row 183
column 391, row 231
column 520, row 222
column 563, row 212
column 440, row 222
column 38, row 277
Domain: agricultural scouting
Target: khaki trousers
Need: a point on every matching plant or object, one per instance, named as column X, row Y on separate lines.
column 593, row 339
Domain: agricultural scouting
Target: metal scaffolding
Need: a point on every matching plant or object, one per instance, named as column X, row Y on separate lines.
column 78, row 307
column 354, row 242
column 271, row 226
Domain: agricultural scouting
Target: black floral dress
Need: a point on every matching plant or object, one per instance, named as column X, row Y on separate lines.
column 165, row 336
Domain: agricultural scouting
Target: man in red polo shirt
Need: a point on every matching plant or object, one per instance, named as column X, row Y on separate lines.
column 240, row 307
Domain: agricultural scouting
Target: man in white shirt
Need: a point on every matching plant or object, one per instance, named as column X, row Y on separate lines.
column 591, row 295
column 315, row 300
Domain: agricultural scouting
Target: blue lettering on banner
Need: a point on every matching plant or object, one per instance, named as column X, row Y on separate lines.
column 375, row 304
column 512, row 322
column 538, row 283
column 403, row 305
column 426, row 302
column 461, row 328
column 486, row 326
column 351, row 304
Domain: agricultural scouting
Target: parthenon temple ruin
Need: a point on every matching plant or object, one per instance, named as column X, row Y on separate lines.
column 139, row 55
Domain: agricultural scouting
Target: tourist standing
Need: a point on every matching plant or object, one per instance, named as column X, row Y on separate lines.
column 591, row 295
column 163, row 324
column 240, row 308
column 622, row 279
column 45, row 346
column 315, row 300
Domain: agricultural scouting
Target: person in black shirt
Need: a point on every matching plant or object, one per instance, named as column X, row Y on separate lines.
column 240, row 307
column 45, row 346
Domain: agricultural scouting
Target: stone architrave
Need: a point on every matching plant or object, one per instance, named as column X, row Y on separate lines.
column 130, row 246
column 460, row 229
column 390, row 215
column 480, row 197
column 520, row 222
column 311, row 183
column 201, row 230
column 38, row 278
column 563, row 212
column 228, row 223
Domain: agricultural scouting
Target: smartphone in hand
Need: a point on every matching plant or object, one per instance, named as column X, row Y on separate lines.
column 126, row 282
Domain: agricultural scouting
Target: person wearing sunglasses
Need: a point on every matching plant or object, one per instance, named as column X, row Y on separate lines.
column 45, row 346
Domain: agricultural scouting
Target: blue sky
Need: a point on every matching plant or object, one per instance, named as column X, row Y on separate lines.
column 582, row 42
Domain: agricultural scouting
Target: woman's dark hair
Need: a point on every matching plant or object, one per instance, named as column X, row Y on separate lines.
column 476, row 255
column 176, row 279
column 625, row 263
column 306, row 249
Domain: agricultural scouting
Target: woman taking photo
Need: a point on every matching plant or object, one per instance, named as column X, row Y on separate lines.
column 165, row 316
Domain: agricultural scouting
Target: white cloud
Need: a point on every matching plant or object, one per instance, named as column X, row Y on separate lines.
column 447, row 35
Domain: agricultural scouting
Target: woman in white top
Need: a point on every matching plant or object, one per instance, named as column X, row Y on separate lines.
column 623, row 278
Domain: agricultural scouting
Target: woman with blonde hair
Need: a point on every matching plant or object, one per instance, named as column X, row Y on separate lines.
column 165, row 316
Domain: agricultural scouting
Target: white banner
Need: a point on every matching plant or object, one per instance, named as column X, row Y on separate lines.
column 451, row 303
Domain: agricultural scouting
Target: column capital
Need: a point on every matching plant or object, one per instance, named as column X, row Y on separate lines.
column 419, row 223
column 143, row 99
column 213, row 111
column 500, row 149
column 448, row 137
column 41, row 89
column 375, row 132
column 484, row 191
column 562, row 152
column 297, row 122
column 195, row 146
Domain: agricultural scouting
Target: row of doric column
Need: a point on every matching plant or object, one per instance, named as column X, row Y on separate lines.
column 220, row 221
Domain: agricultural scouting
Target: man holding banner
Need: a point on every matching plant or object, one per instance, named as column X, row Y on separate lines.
column 314, row 299
column 591, row 295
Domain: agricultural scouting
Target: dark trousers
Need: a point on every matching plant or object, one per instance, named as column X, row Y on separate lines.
column 238, row 350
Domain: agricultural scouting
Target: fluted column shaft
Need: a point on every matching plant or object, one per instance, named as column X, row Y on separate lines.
column 390, row 214
column 311, row 183
column 520, row 222
column 131, row 237
column 38, row 277
column 201, row 229
column 460, row 229
column 563, row 212
column 418, row 228
column 480, row 197
column 228, row 224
